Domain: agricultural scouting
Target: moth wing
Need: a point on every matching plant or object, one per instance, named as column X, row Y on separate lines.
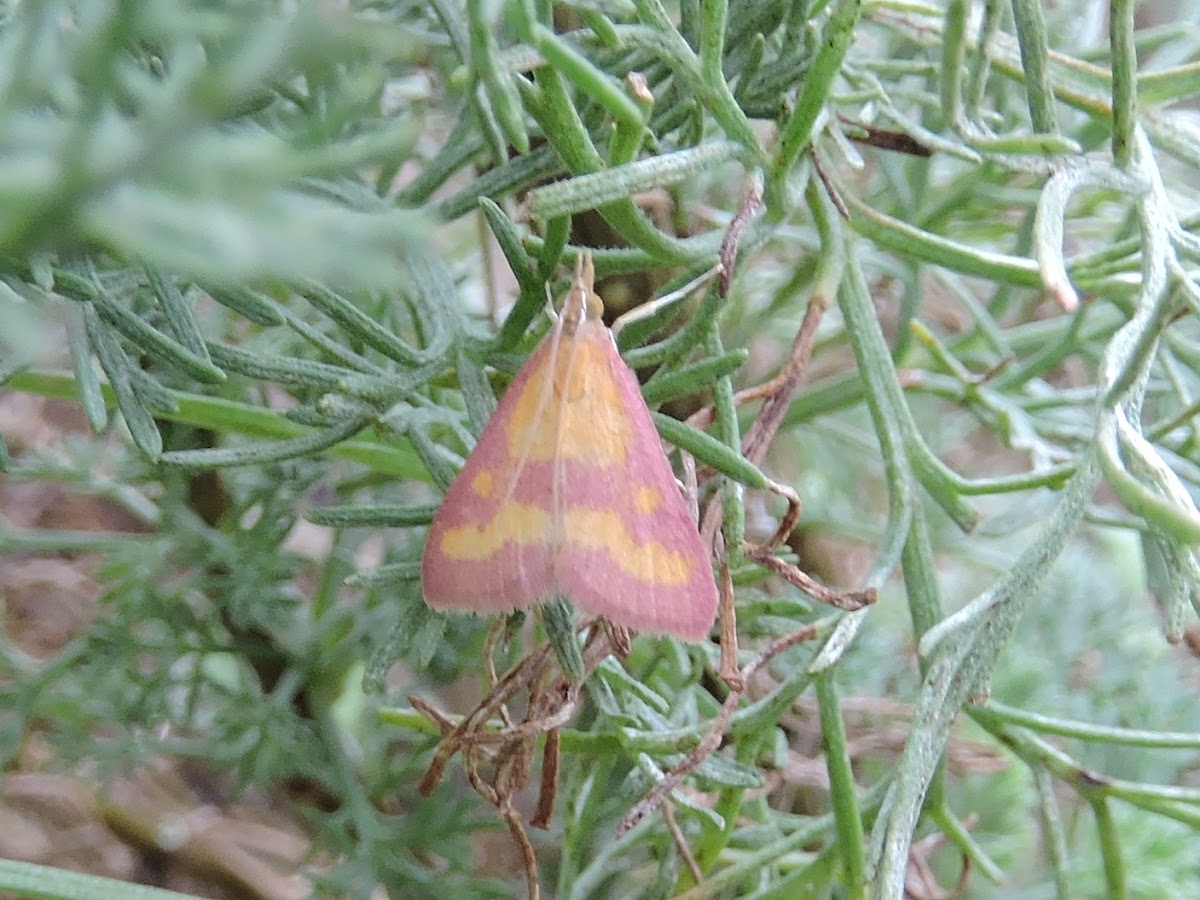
column 489, row 546
column 630, row 549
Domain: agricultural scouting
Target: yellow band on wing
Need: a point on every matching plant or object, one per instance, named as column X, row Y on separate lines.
column 514, row 522
column 598, row 529
column 589, row 529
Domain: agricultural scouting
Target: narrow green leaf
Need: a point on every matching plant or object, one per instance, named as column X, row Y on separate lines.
column 710, row 451
column 178, row 312
column 355, row 516
column 153, row 341
column 261, row 454
column 151, row 393
column 285, row 370
column 31, row 880
column 359, row 325
column 584, row 192
column 416, row 637
column 119, row 369
column 477, row 392
column 91, row 397
column 509, row 239
column 692, row 378
column 252, row 305
column 387, row 575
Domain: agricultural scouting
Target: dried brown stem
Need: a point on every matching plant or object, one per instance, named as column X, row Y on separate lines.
column 443, row 722
column 794, row 575
column 544, row 812
column 730, row 672
column 528, row 856
column 893, row 141
column 712, row 738
column 830, row 189
column 519, row 677
column 781, row 390
column 752, row 201
column 681, row 844
column 788, row 523
column 710, row 742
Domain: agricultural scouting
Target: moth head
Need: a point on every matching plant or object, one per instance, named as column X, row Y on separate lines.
column 582, row 302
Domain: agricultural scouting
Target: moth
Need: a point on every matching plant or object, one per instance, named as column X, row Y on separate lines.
column 569, row 492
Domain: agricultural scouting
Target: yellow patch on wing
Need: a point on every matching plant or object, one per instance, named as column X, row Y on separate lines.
column 574, row 412
column 483, row 484
column 647, row 499
column 514, row 522
column 596, row 529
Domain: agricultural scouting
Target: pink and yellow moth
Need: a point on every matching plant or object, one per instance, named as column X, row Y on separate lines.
column 568, row 492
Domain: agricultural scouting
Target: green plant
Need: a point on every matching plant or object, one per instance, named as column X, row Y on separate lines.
column 965, row 253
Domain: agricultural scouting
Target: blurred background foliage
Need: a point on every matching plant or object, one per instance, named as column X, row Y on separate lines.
column 264, row 268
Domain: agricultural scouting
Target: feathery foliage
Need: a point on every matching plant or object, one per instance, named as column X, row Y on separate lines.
column 270, row 233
